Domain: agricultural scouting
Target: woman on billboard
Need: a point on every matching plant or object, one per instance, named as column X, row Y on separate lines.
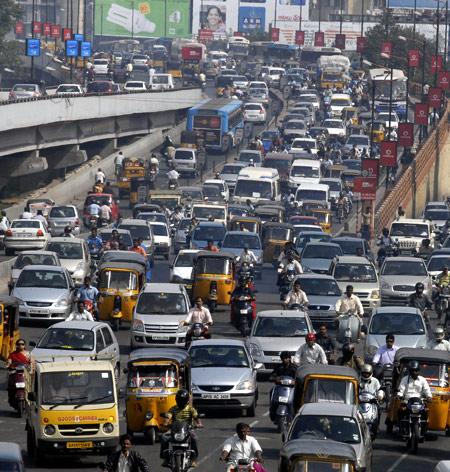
column 215, row 20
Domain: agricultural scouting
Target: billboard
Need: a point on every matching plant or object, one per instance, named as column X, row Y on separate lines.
column 141, row 19
column 252, row 19
column 213, row 17
column 414, row 4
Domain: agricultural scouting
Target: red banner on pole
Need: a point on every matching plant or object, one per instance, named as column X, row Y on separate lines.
column 20, row 27
column 436, row 63
column 66, row 34
column 340, row 41
column 413, row 58
column 319, row 39
column 421, row 114
column 37, row 27
column 300, row 38
column 369, row 167
column 55, row 31
column 46, row 29
column 405, row 134
column 365, row 188
column 361, row 43
column 388, row 153
column 386, row 49
column 434, row 97
column 238, row 34
column 444, row 79
column 275, row 34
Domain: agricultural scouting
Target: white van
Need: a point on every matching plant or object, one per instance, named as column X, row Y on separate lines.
column 185, row 161
column 304, row 171
column 257, row 184
column 338, row 102
column 161, row 82
column 313, row 193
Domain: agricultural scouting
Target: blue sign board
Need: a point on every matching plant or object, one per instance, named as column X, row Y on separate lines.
column 71, row 48
column 252, row 19
column 415, row 4
column 33, row 47
column 85, row 49
column 78, row 37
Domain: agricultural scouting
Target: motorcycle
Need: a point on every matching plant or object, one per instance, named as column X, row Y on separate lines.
column 349, row 327
column 96, row 254
column 368, row 406
column 388, row 250
column 90, row 307
column 243, row 465
column 386, row 382
column 93, row 221
column 16, row 389
column 442, row 303
column 287, row 276
column 281, row 403
column 197, row 333
column 116, row 315
column 242, row 307
column 179, row 451
column 173, row 184
column 212, row 296
column 413, row 425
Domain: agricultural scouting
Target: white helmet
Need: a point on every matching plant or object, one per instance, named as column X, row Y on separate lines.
column 366, row 371
column 439, row 333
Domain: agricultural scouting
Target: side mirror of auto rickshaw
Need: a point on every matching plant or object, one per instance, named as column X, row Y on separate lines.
column 32, row 343
column 121, row 393
column 364, row 329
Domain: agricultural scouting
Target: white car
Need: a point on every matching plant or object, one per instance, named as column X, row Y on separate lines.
column 101, row 66
column 135, row 86
column 295, row 128
column 221, row 185
column 140, row 59
column 384, row 115
column 303, row 144
column 25, row 234
column 230, row 172
column 161, row 236
column 257, row 85
column 335, row 127
column 181, row 269
column 161, row 82
column 69, row 89
column 311, row 98
column 255, row 112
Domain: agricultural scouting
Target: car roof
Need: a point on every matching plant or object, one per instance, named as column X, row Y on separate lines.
column 63, row 239
column 188, row 251
column 313, row 275
column 219, row 342
column 353, row 260
column 45, row 267
column 281, row 314
column 395, row 309
column 10, row 452
column 37, row 251
column 210, row 223
column 157, row 223
column 241, row 233
column 87, row 325
column 133, row 221
column 322, row 243
column 335, row 409
column 403, row 259
column 348, row 238
column 167, row 287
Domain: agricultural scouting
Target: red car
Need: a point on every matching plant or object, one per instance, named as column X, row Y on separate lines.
column 101, row 198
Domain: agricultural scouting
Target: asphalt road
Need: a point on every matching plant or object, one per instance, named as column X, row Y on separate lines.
column 389, row 452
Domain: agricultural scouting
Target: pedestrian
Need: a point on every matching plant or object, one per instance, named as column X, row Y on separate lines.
column 100, row 176
column 125, row 459
column 366, row 223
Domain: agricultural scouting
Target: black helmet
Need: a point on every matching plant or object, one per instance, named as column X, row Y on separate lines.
column 419, row 286
column 285, row 355
column 182, row 398
column 413, row 365
column 348, row 348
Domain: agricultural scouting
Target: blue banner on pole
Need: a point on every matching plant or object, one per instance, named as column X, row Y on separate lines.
column 71, row 48
column 417, row 4
column 33, row 47
column 78, row 37
column 85, row 49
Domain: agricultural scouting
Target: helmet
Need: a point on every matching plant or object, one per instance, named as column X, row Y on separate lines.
column 413, row 365
column 285, row 355
column 366, row 371
column 182, row 398
column 439, row 333
column 310, row 338
column 419, row 286
column 385, row 232
column 348, row 348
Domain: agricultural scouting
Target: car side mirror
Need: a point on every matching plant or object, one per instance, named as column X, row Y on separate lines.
column 32, row 343
column 258, row 366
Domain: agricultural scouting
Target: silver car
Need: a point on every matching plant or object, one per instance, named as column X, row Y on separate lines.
column 405, row 323
column 235, row 241
column 318, row 256
column 62, row 216
column 180, row 237
column 230, row 173
column 274, row 331
column 337, row 422
column 46, row 293
column 223, row 375
column 398, row 277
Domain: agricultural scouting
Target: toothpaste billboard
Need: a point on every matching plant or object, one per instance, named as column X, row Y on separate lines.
column 142, row 19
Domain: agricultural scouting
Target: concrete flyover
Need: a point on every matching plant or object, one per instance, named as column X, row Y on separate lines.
column 52, row 133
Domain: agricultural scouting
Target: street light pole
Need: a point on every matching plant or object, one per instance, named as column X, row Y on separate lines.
column 340, row 19
column 320, row 11
column 372, row 118
column 446, row 35
column 362, row 33
column 33, row 9
column 414, row 19
column 390, row 116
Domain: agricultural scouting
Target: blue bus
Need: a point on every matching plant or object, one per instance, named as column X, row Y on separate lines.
column 216, row 121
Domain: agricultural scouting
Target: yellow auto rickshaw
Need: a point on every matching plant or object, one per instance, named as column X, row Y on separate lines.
column 325, row 219
column 378, row 131
column 9, row 325
column 270, row 212
column 434, row 366
column 245, row 223
column 213, row 278
column 274, row 236
column 139, row 187
column 321, row 383
column 154, row 377
column 350, row 113
column 119, row 284
column 131, row 168
column 174, row 68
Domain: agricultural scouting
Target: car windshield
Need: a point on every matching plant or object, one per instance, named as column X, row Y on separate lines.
column 396, row 267
column 333, row 185
column 137, row 231
column 295, row 125
column 253, row 107
column 277, row 233
column 409, row 229
column 135, row 84
column 213, row 265
column 302, row 241
column 77, row 387
column 247, row 156
column 305, row 171
column 231, row 169
column 340, row 102
column 303, row 144
column 159, row 230
column 279, row 164
column 318, row 195
column 435, row 374
column 62, row 212
column 238, row 241
column 23, row 260
column 219, row 356
column 193, row 194
column 405, row 324
column 355, row 273
column 320, row 287
column 438, row 262
column 269, row 135
column 24, row 88
column 333, row 124
column 358, row 140
column 218, row 213
column 124, row 238
column 155, row 217
column 205, row 233
column 253, row 188
column 185, row 259
column 437, row 215
column 20, row 224
column 313, row 251
column 66, row 250
column 184, row 155
column 278, row 327
column 184, row 224
column 160, row 79
column 336, row 428
column 349, row 248
column 42, row 279
column 212, row 191
column 118, row 280
column 161, row 303
column 67, row 339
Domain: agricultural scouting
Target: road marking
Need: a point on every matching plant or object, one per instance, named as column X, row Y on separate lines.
column 397, row 462
column 253, row 423
column 267, row 413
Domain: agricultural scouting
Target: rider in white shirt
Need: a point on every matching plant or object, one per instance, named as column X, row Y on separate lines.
column 296, row 296
column 439, row 343
column 414, row 385
column 310, row 352
column 349, row 303
column 247, row 256
column 80, row 314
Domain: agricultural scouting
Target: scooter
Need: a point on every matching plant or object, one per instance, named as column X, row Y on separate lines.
column 173, row 184
column 243, row 308
column 443, row 302
column 197, row 333
column 349, row 328
column 16, row 389
column 368, row 406
column 281, row 403
column 287, row 276
column 243, row 465
column 93, row 221
column 212, row 296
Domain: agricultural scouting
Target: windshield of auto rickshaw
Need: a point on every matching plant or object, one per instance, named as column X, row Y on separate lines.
column 214, row 265
column 278, row 234
column 337, row 428
column 323, row 217
column 311, row 465
column 118, row 280
column 435, row 374
column 152, row 376
column 329, row 390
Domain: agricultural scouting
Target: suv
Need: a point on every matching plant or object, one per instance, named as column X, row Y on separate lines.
column 410, row 233
column 159, row 310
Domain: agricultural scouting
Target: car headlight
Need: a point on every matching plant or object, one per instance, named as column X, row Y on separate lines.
column 375, row 294
column 62, row 303
column 108, row 428
column 255, row 350
column 246, row 385
column 385, row 285
column 49, row 430
column 138, row 325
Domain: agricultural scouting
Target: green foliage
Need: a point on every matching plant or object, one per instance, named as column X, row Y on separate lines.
column 10, row 51
column 10, row 11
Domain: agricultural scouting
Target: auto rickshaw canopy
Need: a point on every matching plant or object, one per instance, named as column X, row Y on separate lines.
column 406, row 354
column 154, row 354
column 130, row 266
column 147, row 208
column 326, row 370
column 128, row 257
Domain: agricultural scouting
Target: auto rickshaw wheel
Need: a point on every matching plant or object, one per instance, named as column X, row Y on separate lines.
column 150, row 434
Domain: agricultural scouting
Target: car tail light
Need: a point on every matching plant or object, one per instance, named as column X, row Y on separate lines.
column 40, row 232
column 8, row 232
column 77, row 222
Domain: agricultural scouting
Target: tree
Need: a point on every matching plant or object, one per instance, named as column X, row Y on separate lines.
column 10, row 51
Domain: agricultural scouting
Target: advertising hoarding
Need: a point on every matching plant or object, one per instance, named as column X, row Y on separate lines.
column 252, row 19
column 414, row 4
column 32, row 47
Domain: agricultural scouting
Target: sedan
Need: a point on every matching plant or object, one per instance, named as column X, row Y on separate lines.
column 398, row 277
column 135, row 86
column 336, row 422
column 46, row 293
column 235, row 241
column 223, row 375
column 250, row 155
column 335, row 127
column 304, row 144
column 437, row 261
column 161, row 237
column 385, row 116
column 62, row 216
column 78, row 340
column 405, row 323
column 318, row 256
column 23, row 91
column 230, row 173
column 25, row 234
column 361, row 141
column 255, row 112
column 437, row 217
column 69, row 89
column 294, row 129
column 274, row 331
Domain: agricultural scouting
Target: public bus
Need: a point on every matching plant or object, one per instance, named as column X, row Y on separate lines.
column 310, row 54
column 276, row 52
column 239, row 46
column 216, row 121
column 381, row 79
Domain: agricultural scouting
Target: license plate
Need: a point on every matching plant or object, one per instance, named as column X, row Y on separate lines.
column 80, row 445
column 25, row 235
column 20, row 384
column 216, row 396
column 34, row 311
column 275, row 359
column 283, row 399
column 243, row 312
column 160, row 338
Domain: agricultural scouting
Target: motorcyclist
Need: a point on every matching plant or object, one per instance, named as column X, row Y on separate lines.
column 385, row 240
column 327, row 343
column 88, row 292
column 167, row 143
column 349, row 303
column 425, row 250
column 443, row 279
column 289, row 248
column 385, row 355
column 182, row 411
column 296, row 296
column 173, row 177
column 286, row 369
column 94, row 242
column 20, row 356
column 247, row 256
column 198, row 314
column 370, row 384
column 310, row 352
column 115, row 242
column 177, row 215
column 210, row 246
column 439, row 343
column 80, row 314
column 154, row 163
column 68, row 232
column 420, row 300
column 349, row 359
column 293, row 262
